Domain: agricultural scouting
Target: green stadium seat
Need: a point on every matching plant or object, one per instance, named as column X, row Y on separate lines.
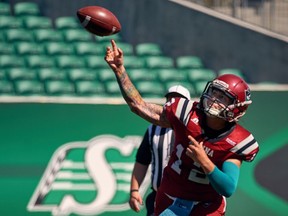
column 134, row 62
column 47, row 74
column 37, row 22
column 67, row 22
column 14, row 74
column 59, row 48
column 89, row 88
column 88, row 48
column 39, row 61
column 11, row 61
column 7, row 48
column 105, row 75
column 203, row 74
column 3, row 74
column 234, row 71
column 142, row 74
column 199, row 87
column 126, row 47
column 171, row 74
column 46, row 35
column 10, row 22
column 112, row 88
column 29, row 48
column 28, row 87
column 150, row 89
column 59, row 88
column 6, row 88
column 69, row 61
column 188, row 62
column 17, row 35
column 82, row 74
column 148, row 49
column 5, row 8
column 157, row 62
column 74, row 35
column 26, row 8
column 96, row 62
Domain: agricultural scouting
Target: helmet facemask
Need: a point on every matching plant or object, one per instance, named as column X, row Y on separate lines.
column 218, row 101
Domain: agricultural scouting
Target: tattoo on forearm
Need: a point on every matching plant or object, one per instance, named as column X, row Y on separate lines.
column 128, row 89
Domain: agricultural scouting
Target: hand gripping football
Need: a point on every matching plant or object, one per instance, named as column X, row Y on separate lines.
column 98, row 20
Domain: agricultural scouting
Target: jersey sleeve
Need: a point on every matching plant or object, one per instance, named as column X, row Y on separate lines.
column 143, row 155
column 178, row 110
column 247, row 149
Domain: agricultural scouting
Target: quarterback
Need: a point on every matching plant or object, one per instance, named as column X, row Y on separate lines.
column 210, row 145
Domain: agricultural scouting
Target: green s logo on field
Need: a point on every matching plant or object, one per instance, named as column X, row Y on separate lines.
column 88, row 178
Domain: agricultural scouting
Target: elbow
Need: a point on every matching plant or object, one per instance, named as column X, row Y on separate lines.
column 229, row 191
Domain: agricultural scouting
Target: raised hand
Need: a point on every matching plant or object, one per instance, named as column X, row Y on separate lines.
column 114, row 56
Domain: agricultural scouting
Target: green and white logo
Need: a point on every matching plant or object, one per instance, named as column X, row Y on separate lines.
column 89, row 178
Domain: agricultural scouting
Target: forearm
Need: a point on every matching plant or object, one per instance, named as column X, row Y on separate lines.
column 128, row 90
column 148, row 111
column 138, row 175
column 225, row 181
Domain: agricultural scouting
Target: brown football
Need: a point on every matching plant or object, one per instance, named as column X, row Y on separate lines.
column 98, row 20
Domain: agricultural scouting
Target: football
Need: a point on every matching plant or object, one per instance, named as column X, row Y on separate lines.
column 98, row 20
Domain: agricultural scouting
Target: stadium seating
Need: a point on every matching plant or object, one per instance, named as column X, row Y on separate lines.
column 201, row 74
column 199, row 87
column 26, row 9
column 148, row 49
column 6, row 88
column 7, row 48
column 126, row 47
column 28, row 87
column 15, row 74
column 105, row 75
column 150, row 88
column 96, row 62
column 29, row 48
column 39, row 61
column 49, row 74
column 10, row 22
column 59, row 88
column 112, row 88
column 74, row 35
column 82, row 74
column 3, row 74
column 5, row 8
column 88, row 48
column 10, row 61
column 36, row 22
column 157, row 62
column 188, row 62
column 17, row 35
column 61, row 56
column 171, row 74
column 89, row 88
column 69, row 61
column 58, row 48
column 67, row 22
column 142, row 74
column 134, row 62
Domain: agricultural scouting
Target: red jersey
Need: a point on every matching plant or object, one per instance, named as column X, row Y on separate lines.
column 184, row 178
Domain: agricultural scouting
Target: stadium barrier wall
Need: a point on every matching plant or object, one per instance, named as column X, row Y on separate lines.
column 43, row 144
